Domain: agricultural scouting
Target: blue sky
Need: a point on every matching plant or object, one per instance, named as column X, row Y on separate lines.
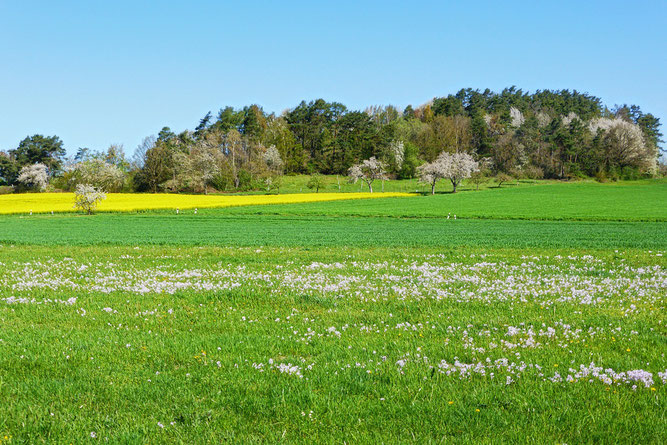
column 96, row 73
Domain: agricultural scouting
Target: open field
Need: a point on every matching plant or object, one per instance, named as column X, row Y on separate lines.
column 133, row 202
column 268, row 345
column 633, row 201
column 317, row 231
column 358, row 321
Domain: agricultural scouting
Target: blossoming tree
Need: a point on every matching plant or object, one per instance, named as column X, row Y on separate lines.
column 34, row 177
column 86, row 198
column 368, row 171
column 453, row 166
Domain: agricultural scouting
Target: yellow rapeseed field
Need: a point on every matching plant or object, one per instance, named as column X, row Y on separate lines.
column 132, row 202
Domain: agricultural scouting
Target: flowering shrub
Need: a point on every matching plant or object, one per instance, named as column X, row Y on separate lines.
column 86, row 198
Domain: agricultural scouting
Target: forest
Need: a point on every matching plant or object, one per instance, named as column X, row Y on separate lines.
column 560, row 134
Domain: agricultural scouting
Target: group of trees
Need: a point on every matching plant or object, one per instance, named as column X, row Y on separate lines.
column 546, row 134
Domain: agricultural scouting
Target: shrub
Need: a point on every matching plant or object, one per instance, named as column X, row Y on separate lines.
column 533, row 172
column 86, row 198
column 501, row 178
column 662, row 169
column 316, row 182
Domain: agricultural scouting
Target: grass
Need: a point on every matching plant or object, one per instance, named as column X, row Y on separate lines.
column 185, row 345
column 639, row 201
column 539, row 317
column 317, row 231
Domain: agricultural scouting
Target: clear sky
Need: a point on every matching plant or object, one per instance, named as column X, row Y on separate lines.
column 96, row 73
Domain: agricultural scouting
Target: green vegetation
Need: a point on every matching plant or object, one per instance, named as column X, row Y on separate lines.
column 258, row 230
column 510, row 135
column 539, row 317
column 626, row 201
column 300, row 345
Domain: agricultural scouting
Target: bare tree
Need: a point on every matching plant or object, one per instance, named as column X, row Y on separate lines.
column 139, row 157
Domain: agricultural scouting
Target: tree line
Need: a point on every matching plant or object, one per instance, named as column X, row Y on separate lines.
column 558, row 134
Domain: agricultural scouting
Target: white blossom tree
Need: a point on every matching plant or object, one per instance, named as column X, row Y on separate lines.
column 273, row 159
column 624, row 144
column 98, row 173
column 368, row 171
column 567, row 120
column 397, row 152
column 516, row 117
column 34, row 177
column 543, row 119
column 453, row 166
column 86, row 198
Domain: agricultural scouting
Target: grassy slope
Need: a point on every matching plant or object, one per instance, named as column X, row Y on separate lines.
column 594, row 216
column 639, row 201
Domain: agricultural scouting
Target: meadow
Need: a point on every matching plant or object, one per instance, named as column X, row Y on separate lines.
column 374, row 321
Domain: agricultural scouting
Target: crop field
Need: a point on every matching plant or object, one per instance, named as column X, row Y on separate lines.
column 133, row 202
column 369, row 321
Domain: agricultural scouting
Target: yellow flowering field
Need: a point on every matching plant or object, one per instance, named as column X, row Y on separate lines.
column 130, row 202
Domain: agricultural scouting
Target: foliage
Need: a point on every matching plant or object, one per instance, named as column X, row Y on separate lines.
column 555, row 134
column 478, row 178
column 98, row 173
column 38, row 149
column 273, row 159
column 502, row 178
column 87, row 197
column 316, row 182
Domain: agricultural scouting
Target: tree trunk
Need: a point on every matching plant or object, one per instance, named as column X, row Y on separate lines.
column 454, row 185
column 370, row 187
column 433, row 188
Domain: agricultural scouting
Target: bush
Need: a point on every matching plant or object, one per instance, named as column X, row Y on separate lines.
column 662, row 169
column 533, row 172
column 86, row 198
column 630, row 173
column 316, row 182
column 6, row 189
column 245, row 181
column 501, row 178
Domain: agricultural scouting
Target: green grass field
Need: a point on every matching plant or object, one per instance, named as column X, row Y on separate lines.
column 538, row 315
column 639, row 201
column 208, row 229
